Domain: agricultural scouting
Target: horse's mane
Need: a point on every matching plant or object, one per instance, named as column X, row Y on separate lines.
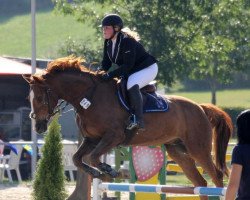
column 66, row 64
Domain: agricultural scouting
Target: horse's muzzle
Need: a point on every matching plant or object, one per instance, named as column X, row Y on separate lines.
column 41, row 126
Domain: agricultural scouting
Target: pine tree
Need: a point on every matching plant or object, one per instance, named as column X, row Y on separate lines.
column 49, row 183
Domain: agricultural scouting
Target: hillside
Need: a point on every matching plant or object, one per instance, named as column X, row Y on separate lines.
column 52, row 29
column 13, row 8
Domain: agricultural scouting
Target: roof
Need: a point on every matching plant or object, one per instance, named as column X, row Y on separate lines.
column 8, row 66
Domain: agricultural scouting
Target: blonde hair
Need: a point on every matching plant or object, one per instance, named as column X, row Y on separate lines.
column 132, row 34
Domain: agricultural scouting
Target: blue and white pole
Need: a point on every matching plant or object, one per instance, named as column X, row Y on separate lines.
column 127, row 187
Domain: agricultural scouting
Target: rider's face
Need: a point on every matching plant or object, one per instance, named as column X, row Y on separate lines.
column 107, row 31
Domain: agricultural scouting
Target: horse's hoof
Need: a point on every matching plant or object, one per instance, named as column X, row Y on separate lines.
column 96, row 174
column 123, row 174
column 105, row 178
column 114, row 173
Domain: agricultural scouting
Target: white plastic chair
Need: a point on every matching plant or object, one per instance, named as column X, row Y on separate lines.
column 68, row 152
column 11, row 162
column 1, row 147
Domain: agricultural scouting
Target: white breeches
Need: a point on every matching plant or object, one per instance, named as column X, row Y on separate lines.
column 143, row 77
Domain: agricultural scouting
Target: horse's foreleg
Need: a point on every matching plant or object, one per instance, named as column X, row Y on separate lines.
column 105, row 168
column 108, row 141
column 83, row 150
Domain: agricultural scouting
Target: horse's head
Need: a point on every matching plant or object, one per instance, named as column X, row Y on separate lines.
column 43, row 101
column 63, row 76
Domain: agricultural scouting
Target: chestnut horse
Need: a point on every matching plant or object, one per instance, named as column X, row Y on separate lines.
column 187, row 129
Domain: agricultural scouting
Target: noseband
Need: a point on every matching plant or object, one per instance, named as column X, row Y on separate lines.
column 46, row 101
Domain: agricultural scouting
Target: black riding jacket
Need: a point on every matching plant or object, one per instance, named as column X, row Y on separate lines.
column 129, row 55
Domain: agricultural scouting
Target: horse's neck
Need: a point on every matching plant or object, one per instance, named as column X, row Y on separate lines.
column 69, row 86
column 73, row 88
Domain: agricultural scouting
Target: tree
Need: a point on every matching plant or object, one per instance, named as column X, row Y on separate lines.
column 49, row 180
column 82, row 190
column 196, row 38
column 220, row 46
column 79, row 48
column 151, row 19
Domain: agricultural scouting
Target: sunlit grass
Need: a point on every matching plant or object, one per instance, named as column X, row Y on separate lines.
column 225, row 98
column 52, row 30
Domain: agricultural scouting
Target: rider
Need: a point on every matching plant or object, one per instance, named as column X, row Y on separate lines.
column 122, row 47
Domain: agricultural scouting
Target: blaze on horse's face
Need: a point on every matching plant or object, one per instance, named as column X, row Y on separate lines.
column 39, row 108
column 42, row 101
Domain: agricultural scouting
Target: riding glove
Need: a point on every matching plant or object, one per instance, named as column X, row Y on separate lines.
column 106, row 77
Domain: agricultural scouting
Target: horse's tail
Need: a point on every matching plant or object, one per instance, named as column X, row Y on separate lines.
column 222, row 129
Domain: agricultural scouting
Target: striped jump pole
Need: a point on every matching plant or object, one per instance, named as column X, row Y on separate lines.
column 161, row 189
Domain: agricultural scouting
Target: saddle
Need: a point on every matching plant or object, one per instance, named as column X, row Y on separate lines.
column 152, row 102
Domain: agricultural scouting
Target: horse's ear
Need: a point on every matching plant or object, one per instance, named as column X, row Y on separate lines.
column 33, row 79
column 27, row 77
column 46, row 76
column 38, row 80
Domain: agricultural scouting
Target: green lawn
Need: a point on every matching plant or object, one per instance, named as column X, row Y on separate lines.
column 52, row 30
column 225, row 98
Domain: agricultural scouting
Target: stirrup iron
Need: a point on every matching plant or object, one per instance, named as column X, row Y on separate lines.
column 132, row 123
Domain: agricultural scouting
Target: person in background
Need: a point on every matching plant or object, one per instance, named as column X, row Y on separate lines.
column 122, row 47
column 1, row 144
column 239, row 180
column 2, row 140
column 2, row 134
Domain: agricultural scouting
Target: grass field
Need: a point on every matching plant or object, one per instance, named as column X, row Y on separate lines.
column 52, row 31
column 225, row 98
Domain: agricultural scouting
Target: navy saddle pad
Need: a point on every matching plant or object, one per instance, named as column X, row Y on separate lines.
column 152, row 102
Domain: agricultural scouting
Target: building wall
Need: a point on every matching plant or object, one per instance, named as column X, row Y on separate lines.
column 15, row 109
column 14, row 92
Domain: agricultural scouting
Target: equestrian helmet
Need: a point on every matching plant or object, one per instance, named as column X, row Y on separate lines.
column 112, row 20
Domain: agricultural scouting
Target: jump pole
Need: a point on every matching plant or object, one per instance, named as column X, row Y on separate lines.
column 161, row 189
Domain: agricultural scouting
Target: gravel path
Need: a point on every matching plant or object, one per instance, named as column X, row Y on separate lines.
column 21, row 192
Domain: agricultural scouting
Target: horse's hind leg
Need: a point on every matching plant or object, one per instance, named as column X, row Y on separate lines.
column 201, row 153
column 178, row 153
column 204, row 158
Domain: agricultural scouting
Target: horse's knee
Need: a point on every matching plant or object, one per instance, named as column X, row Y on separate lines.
column 94, row 160
column 219, row 174
column 77, row 160
column 218, row 181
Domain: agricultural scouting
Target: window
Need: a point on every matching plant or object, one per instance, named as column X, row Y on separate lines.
column 25, row 123
column 10, row 123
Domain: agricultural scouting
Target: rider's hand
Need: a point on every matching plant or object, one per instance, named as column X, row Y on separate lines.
column 99, row 69
column 106, row 77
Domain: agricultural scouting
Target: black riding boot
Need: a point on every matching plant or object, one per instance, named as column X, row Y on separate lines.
column 136, row 103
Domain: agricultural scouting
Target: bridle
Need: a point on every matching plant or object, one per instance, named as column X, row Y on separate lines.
column 58, row 108
column 47, row 101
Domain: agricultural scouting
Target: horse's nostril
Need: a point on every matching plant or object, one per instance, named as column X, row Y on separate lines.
column 41, row 126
